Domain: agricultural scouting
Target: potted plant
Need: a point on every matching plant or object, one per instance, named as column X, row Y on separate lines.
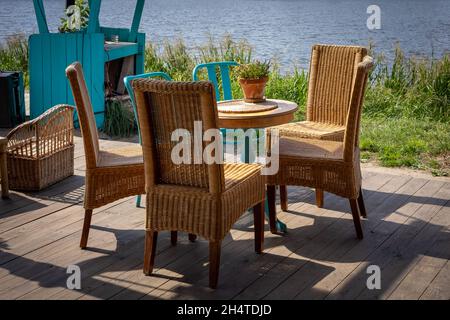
column 253, row 78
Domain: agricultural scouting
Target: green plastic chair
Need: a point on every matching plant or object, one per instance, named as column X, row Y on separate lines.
column 211, row 67
column 127, row 81
column 226, row 94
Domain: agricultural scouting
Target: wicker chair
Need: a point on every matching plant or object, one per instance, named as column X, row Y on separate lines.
column 40, row 151
column 110, row 174
column 331, row 77
column 127, row 82
column 202, row 199
column 333, row 166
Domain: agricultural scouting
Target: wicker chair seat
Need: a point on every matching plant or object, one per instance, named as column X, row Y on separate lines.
column 237, row 172
column 318, row 164
column 312, row 130
column 311, row 148
column 121, row 156
column 182, row 208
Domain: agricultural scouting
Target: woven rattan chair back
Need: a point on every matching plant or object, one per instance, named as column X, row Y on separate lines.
column 332, row 74
column 353, row 119
column 85, row 113
column 165, row 106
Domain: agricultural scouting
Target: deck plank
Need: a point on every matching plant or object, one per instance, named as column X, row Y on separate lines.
column 390, row 233
column 406, row 233
column 387, row 234
column 439, row 289
column 407, row 252
column 309, row 277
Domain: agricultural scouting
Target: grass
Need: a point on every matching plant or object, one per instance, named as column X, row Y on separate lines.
column 406, row 115
column 407, row 142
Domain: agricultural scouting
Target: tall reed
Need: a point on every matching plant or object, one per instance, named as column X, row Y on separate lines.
column 14, row 55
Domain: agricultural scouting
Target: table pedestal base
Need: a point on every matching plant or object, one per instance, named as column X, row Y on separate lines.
column 249, row 156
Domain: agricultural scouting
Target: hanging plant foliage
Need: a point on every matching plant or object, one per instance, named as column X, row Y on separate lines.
column 76, row 17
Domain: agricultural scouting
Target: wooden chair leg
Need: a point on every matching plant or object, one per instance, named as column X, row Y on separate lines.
column 258, row 216
column 362, row 207
column 283, row 198
column 173, row 237
column 356, row 219
column 272, row 209
column 86, row 227
column 4, row 171
column 192, row 237
column 214, row 263
column 151, row 239
column 319, row 198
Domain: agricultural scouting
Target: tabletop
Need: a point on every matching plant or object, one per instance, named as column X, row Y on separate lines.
column 284, row 113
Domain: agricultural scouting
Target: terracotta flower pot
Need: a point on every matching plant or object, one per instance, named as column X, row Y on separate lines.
column 254, row 89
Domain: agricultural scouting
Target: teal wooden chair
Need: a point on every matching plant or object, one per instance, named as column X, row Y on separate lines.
column 226, row 94
column 224, row 68
column 127, row 81
column 211, row 68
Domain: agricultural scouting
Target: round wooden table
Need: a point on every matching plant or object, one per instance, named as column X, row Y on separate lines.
column 282, row 113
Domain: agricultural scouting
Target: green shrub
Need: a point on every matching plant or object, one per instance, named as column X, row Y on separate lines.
column 119, row 119
column 410, row 87
column 14, row 55
column 224, row 50
column 292, row 87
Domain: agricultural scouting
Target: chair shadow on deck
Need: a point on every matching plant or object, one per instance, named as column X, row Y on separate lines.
column 18, row 204
column 69, row 190
column 101, row 285
column 398, row 232
column 192, row 275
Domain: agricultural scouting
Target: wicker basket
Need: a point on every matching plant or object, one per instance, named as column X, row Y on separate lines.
column 41, row 151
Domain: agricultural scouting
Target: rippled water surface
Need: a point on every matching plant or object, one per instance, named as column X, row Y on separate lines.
column 284, row 29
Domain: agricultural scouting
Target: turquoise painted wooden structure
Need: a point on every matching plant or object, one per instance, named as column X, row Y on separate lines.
column 51, row 53
column 127, row 81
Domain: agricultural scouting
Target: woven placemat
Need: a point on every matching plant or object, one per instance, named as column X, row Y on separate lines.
column 239, row 106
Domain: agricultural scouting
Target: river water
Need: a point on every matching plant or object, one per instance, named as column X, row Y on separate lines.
column 285, row 29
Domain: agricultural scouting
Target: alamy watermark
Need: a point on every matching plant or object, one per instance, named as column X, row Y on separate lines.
column 374, row 20
column 73, row 14
column 74, row 280
column 374, row 280
column 206, row 147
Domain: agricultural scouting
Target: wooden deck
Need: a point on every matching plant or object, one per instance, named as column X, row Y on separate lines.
column 406, row 235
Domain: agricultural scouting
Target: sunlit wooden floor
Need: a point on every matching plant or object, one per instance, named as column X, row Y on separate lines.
column 406, row 235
